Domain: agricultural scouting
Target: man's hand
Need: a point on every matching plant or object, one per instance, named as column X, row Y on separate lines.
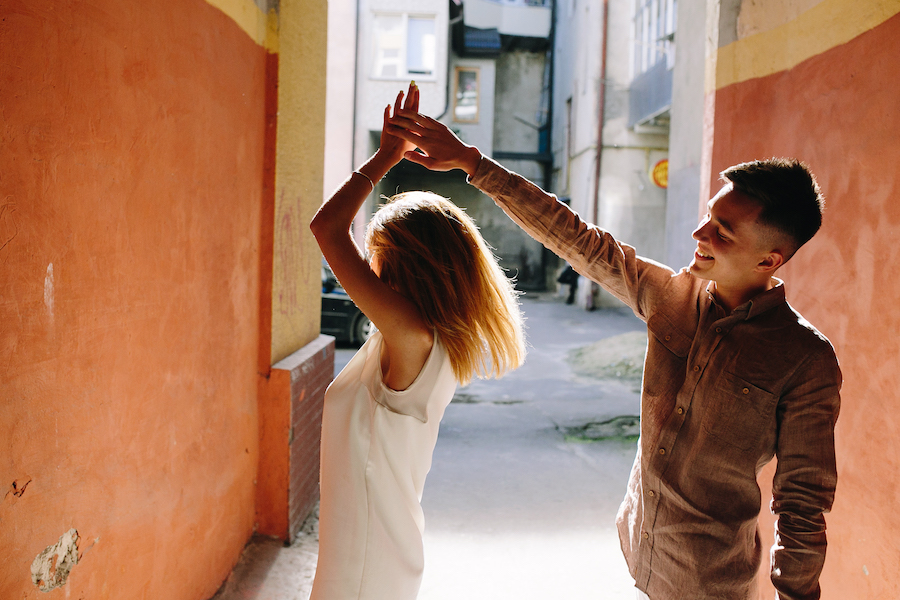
column 443, row 151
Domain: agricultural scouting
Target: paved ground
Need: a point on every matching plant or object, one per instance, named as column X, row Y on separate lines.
column 521, row 500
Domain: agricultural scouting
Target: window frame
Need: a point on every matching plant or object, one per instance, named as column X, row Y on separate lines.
column 458, row 70
column 403, row 73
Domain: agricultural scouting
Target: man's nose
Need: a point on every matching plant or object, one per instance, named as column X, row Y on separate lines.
column 698, row 233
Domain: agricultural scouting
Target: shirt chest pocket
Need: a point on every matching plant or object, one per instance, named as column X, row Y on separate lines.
column 738, row 412
column 667, row 354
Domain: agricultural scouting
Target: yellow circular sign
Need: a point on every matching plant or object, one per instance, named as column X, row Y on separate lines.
column 660, row 173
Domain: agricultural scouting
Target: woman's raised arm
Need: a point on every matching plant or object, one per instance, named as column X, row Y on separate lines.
column 407, row 337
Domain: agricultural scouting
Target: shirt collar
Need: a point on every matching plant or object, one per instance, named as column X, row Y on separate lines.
column 758, row 304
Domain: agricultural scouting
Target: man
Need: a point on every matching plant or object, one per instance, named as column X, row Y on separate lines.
column 733, row 376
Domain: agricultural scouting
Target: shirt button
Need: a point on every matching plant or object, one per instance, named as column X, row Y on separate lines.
column 668, row 337
column 645, row 535
column 651, row 493
column 745, row 390
column 680, row 411
column 696, row 367
column 718, row 330
column 662, row 450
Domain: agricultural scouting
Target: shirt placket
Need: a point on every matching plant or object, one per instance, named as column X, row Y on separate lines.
column 715, row 327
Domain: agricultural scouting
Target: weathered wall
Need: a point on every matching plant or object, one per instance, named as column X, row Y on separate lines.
column 341, row 94
column 823, row 87
column 291, row 282
column 578, row 54
column 519, row 81
column 631, row 207
column 299, row 167
column 136, row 183
column 685, row 134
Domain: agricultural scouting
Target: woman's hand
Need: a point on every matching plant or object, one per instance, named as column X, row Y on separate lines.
column 392, row 148
column 443, row 151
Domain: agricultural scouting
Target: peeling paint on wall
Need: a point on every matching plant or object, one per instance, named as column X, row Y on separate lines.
column 51, row 567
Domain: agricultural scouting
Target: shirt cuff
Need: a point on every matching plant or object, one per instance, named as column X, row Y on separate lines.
column 489, row 174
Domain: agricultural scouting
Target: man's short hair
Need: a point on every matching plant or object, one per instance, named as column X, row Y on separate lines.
column 786, row 189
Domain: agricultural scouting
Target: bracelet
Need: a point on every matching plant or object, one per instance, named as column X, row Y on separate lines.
column 369, row 179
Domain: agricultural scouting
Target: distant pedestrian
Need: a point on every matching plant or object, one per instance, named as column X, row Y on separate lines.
column 444, row 311
column 570, row 278
column 733, row 375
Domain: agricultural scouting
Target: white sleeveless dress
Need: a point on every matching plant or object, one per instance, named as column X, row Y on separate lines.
column 377, row 445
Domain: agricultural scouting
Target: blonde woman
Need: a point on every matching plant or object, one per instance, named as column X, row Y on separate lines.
column 444, row 311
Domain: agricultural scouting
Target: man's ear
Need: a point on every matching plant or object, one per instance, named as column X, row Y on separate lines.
column 771, row 262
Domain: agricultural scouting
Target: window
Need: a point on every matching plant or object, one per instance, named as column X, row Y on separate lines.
column 404, row 46
column 465, row 104
column 654, row 33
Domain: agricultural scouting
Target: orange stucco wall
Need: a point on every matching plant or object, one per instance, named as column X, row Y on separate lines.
column 131, row 193
column 838, row 111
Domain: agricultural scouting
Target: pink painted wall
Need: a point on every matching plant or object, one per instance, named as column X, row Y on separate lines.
column 131, row 191
column 838, row 111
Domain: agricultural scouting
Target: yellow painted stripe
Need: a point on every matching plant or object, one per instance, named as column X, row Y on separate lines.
column 260, row 26
column 821, row 28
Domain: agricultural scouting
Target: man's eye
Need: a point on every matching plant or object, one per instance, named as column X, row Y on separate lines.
column 722, row 237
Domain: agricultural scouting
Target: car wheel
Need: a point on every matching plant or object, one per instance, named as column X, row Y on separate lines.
column 362, row 329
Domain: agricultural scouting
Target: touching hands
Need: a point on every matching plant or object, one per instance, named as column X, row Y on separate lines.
column 392, row 147
column 443, row 151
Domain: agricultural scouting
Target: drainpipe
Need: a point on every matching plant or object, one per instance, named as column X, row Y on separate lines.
column 602, row 115
column 548, row 166
column 595, row 209
column 450, row 25
column 359, row 221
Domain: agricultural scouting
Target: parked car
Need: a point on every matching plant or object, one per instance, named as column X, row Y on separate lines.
column 340, row 316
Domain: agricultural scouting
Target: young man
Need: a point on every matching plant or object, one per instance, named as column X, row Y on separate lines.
column 733, row 376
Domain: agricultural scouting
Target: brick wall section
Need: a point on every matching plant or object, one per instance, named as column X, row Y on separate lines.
column 290, row 425
column 311, row 371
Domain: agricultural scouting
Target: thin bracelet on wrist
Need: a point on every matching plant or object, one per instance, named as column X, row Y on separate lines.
column 369, row 179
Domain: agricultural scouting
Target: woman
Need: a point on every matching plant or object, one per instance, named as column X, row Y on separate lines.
column 444, row 311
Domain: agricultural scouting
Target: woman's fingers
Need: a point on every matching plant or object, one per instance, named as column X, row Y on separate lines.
column 412, row 97
column 398, row 102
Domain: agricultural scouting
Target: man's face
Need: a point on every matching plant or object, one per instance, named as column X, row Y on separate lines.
column 730, row 241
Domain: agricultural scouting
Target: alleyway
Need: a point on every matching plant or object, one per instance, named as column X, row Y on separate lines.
column 520, row 504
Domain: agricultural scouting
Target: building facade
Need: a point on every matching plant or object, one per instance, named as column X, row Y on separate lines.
column 161, row 368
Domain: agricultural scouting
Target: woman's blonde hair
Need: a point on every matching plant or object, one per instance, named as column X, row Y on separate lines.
column 431, row 251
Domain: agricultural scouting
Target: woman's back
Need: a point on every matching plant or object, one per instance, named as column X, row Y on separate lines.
column 377, row 445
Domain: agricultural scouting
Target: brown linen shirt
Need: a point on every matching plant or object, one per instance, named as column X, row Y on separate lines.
column 721, row 396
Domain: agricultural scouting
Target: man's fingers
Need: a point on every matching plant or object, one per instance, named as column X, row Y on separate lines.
column 415, row 117
column 403, row 133
column 416, row 157
column 406, row 124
